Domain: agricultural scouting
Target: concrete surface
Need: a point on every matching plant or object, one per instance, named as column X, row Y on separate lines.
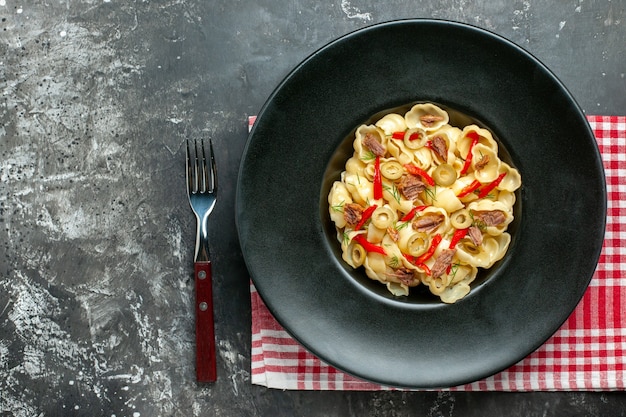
column 96, row 236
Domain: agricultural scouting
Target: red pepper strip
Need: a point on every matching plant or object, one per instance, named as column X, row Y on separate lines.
column 370, row 247
column 409, row 216
column 474, row 136
column 410, row 258
column 414, row 136
column 378, row 182
column 431, row 250
column 457, row 236
column 367, row 213
column 413, row 260
column 469, row 189
column 414, row 170
column 400, row 136
column 489, row 187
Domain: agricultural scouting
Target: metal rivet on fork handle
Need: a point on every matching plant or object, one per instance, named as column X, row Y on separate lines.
column 203, row 306
column 202, row 274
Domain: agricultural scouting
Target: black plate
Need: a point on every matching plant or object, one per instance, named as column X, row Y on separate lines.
column 338, row 314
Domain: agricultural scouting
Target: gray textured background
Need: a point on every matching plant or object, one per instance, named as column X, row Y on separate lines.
column 96, row 235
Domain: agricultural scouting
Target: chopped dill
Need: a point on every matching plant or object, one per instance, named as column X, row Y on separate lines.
column 431, row 193
column 393, row 190
column 453, row 270
column 478, row 223
column 338, row 207
column 400, row 225
column 368, row 156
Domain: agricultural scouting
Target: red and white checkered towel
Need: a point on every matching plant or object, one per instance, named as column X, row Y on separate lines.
column 587, row 353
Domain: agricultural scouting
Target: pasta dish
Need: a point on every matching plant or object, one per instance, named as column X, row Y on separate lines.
column 423, row 202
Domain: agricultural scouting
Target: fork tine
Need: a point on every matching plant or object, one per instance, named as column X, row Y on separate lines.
column 198, row 169
column 190, row 177
column 204, row 174
column 212, row 170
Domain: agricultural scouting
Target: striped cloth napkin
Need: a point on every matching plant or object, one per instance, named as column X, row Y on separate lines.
column 587, row 353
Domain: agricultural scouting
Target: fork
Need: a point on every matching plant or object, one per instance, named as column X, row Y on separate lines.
column 202, row 191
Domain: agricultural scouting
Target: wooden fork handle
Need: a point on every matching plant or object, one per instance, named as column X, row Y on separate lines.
column 205, row 330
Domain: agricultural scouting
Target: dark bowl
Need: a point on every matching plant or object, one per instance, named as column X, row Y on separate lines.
column 299, row 143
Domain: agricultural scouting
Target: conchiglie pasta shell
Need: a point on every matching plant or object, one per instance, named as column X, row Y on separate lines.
column 496, row 246
column 504, row 240
column 362, row 151
column 394, row 198
column 449, row 134
column 345, row 238
column 473, row 255
column 462, row 182
column 355, row 165
column 413, row 116
column 374, row 234
column 337, row 199
column 491, row 170
column 457, row 164
column 391, row 123
column 395, row 257
column 360, row 188
column 507, row 198
column 444, row 226
column 447, row 200
column 489, row 252
column 485, row 137
column 397, row 289
column 423, row 158
column 397, row 149
column 489, row 205
column 369, row 170
column 375, row 266
column 453, row 294
column 463, row 272
column 512, row 180
column 486, row 205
